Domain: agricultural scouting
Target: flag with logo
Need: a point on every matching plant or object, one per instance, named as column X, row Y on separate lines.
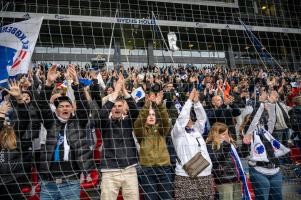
column 138, row 94
column 17, row 42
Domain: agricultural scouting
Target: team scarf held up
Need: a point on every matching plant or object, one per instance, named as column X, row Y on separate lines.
column 258, row 150
column 241, row 173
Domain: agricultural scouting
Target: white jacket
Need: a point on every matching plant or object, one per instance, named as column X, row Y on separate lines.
column 186, row 144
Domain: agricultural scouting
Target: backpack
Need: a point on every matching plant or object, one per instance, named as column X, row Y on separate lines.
column 295, row 119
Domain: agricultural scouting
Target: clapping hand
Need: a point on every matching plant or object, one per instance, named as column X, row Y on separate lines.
column 159, row 98
column 229, row 100
column 72, row 73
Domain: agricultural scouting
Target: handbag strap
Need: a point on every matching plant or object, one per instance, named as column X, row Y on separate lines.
column 177, row 157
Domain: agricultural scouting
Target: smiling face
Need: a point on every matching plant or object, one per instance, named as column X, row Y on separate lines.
column 118, row 109
column 64, row 110
column 151, row 118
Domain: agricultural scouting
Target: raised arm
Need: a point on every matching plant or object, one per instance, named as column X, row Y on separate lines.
column 272, row 116
column 256, row 119
column 164, row 130
column 141, row 119
column 163, row 113
column 184, row 116
column 106, row 108
column 82, row 110
column 200, row 114
column 133, row 109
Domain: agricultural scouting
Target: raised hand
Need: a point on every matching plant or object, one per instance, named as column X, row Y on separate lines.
column 159, row 98
column 229, row 100
column 196, row 96
column 124, row 90
column 147, row 101
column 40, row 73
column 192, row 94
column 52, row 75
column 72, row 72
column 14, row 89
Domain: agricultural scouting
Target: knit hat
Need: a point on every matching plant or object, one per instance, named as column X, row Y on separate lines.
column 60, row 99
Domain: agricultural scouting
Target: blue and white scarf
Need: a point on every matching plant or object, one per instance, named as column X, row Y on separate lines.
column 62, row 139
column 241, row 173
column 258, row 151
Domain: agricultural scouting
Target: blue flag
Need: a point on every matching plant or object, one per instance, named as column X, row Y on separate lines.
column 6, row 60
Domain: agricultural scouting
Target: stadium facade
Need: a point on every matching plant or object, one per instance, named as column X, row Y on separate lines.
column 208, row 31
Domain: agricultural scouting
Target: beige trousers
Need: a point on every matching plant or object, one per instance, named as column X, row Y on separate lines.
column 126, row 179
column 230, row 191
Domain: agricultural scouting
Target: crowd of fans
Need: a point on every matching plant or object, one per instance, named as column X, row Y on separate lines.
column 152, row 121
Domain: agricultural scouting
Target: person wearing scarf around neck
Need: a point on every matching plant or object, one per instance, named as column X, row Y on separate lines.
column 66, row 152
column 224, row 169
column 151, row 129
column 265, row 150
column 188, row 141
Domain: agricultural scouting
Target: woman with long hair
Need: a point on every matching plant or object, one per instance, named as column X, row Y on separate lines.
column 224, row 170
column 10, row 162
column 265, row 150
column 151, row 129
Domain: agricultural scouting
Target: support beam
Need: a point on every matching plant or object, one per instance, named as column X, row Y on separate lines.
column 230, row 57
column 150, row 53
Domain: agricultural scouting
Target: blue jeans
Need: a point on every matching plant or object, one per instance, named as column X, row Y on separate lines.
column 156, row 183
column 66, row 190
column 266, row 187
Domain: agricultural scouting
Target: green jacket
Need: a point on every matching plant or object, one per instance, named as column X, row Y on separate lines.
column 153, row 148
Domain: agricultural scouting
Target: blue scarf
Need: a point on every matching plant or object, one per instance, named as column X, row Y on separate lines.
column 241, row 173
column 60, row 141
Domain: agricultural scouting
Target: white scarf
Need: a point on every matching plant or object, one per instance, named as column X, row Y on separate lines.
column 258, row 151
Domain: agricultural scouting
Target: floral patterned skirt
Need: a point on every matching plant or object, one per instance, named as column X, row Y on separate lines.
column 198, row 188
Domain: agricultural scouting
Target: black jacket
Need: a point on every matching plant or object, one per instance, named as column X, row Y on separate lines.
column 223, row 168
column 295, row 119
column 80, row 155
column 11, row 166
column 119, row 149
column 223, row 114
column 27, row 123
